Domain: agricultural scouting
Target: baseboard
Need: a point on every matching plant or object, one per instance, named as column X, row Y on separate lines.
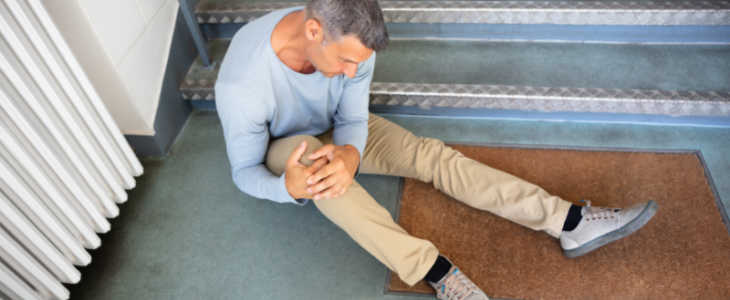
column 171, row 113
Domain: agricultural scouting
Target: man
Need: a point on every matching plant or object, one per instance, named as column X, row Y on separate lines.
column 292, row 96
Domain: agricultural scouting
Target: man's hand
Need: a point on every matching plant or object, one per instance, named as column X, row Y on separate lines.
column 333, row 179
column 296, row 173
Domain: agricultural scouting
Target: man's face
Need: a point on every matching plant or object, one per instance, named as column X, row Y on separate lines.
column 335, row 57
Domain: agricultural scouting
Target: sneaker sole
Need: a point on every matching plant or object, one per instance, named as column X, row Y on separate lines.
column 646, row 214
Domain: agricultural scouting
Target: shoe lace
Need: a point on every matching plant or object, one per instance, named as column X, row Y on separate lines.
column 599, row 213
column 457, row 286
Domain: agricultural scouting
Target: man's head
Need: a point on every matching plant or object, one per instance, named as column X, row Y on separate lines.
column 343, row 33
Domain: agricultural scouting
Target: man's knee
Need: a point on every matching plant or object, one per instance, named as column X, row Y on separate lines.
column 350, row 208
column 280, row 150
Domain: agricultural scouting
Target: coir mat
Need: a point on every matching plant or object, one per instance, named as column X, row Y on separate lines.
column 682, row 253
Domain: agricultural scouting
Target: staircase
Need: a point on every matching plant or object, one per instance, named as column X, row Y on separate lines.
column 658, row 62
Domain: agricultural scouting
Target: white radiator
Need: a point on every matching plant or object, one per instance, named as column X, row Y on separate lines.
column 64, row 164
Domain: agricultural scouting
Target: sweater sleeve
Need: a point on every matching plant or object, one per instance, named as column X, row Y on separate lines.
column 247, row 138
column 351, row 116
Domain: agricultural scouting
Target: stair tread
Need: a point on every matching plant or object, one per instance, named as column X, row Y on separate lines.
column 618, row 66
column 672, row 12
column 690, row 80
column 699, row 68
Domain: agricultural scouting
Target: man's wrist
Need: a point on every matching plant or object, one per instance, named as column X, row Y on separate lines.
column 354, row 156
column 285, row 195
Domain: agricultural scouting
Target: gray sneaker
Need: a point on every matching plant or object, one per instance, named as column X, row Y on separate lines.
column 456, row 286
column 600, row 226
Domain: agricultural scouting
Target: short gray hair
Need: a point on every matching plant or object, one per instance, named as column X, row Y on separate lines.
column 363, row 18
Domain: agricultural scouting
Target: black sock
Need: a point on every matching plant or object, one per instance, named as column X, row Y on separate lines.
column 439, row 269
column 573, row 218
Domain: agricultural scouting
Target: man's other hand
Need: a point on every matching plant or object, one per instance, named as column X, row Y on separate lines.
column 296, row 173
column 333, row 179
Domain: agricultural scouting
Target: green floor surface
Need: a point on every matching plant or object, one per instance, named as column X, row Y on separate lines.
column 188, row 233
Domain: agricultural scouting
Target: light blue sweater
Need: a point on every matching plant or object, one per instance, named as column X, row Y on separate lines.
column 259, row 98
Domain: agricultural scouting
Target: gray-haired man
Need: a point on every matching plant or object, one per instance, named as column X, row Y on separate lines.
column 292, row 96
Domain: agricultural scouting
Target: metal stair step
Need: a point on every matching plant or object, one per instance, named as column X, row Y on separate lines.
column 671, row 12
column 673, row 80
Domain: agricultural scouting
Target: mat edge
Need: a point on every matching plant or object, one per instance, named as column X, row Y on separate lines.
column 713, row 187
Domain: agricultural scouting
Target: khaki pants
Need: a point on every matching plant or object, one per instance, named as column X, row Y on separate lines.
column 392, row 150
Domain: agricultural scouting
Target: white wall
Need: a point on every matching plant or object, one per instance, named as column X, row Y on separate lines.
column 123, row 45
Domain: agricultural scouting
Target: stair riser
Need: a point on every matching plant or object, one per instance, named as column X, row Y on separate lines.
column 560, row 116
column 547, row 100
column 504, row 114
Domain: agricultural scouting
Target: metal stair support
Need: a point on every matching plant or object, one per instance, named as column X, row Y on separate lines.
column 194, row 28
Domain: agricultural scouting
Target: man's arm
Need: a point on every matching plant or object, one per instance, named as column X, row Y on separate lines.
column 349, row 136
column 351, row 116
column 247, row 138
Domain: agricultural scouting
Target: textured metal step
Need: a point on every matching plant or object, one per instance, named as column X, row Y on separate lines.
column 551, row 99
column 404, row 79
column 671, row 12
column 527, row 98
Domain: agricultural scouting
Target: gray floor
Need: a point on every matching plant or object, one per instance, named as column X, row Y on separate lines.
column 188, row 233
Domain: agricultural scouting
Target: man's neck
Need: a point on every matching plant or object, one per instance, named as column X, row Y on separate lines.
column 289, row 43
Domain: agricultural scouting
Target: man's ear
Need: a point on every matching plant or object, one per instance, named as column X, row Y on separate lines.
column 313, row 30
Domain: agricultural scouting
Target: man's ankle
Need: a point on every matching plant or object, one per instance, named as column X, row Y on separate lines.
column 438, row 270
column 574, row 216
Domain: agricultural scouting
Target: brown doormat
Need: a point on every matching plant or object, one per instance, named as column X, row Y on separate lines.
column 682, row 253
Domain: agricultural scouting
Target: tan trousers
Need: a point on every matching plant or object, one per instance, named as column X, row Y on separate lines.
column 392, row 150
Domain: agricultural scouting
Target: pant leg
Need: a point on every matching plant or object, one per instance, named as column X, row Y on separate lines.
column 392, row 150
column 364, row 219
